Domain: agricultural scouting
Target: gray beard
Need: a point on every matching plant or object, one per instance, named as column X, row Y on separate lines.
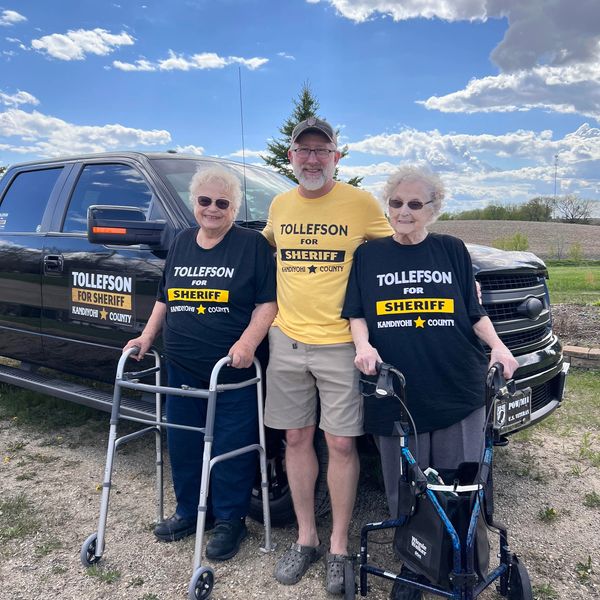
column 314, row 184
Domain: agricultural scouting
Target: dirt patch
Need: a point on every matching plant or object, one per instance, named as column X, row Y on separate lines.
column 547, row 240
column 577, row 325
column 58, row 476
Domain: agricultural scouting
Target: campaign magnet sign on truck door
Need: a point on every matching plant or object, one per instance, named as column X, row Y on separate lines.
column 102, row 298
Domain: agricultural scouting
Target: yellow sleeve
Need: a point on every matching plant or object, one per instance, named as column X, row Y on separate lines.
column 376, row 223
column 268, row 230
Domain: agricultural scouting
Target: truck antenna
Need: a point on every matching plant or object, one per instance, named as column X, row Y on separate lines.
column 243, row 145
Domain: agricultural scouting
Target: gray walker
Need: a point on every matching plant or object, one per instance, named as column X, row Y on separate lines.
column 201, row 583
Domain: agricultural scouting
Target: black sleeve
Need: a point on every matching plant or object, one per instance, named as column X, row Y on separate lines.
column 475, row 309
column 265, row 283
column 353, row 307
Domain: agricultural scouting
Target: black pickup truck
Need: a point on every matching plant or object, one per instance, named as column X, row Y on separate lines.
column 70, row 298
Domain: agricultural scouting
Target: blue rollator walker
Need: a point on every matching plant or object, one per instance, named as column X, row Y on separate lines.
column 202, row 580
column 441, row 530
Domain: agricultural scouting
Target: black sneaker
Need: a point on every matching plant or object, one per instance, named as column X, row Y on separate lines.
column 225, row 539
column 402, row 591
column 176, row 528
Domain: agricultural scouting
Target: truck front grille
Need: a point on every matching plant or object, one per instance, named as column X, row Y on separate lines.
column 511, row 281
column 540, row 396
column 525, row 338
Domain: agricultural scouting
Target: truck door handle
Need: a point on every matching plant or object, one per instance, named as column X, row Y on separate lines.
column 53, row 263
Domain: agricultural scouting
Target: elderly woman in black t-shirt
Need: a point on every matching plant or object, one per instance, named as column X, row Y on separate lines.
column 216, row 298
column 412, row 302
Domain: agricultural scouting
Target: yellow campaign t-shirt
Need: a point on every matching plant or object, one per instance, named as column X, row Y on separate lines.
column 315, row 240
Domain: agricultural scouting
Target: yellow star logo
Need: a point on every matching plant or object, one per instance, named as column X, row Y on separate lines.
column 201, row 310
column 420, row 322
column 103, row 313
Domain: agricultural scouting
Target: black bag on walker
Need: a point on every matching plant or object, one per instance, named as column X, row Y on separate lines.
column 423, row 543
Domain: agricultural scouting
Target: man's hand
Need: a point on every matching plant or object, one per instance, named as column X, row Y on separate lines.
column 242, row 355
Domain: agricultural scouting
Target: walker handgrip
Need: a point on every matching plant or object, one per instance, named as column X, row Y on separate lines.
column 495, row 379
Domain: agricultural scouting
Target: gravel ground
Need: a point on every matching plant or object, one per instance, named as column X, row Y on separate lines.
column 58, row 474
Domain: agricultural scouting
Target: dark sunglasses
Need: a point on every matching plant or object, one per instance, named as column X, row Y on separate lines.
column 221, row 203
column 412, row 204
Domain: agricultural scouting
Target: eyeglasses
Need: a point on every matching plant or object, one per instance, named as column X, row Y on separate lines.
column 319, row 152
column 412, row 204
column 221, row 203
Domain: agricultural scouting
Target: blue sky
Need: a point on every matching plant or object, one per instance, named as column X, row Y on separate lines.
column 485, row 92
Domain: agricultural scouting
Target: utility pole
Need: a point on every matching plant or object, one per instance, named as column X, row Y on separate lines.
column 555, row 172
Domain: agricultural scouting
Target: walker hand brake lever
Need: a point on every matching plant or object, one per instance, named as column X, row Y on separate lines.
column 384, row 386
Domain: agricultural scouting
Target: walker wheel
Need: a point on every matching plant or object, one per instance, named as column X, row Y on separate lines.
column 201, row 584
column 88, row 551
column 519, row 586
column 349, row 580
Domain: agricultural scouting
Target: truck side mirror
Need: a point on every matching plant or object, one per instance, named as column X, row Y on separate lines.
column 122, row 226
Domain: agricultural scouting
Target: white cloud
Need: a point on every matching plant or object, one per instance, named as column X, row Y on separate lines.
column 475, row 166
column 455, row 10
column 570, row 89
column 548, row 58
column 10, row 17
column 247, row 153
column 285, row 55
column 74, row 45
column 190, row 149
column 49, row 136
column 18, row 98
column 179, row 62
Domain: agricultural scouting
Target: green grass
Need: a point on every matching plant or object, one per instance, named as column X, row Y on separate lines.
column 544, row 591
column 103, row 574
column 47, row 548
column 574, row 284
column 581, row 407
column 592, row 500
column 44, row 412
column 584, row 570
column 17, row 518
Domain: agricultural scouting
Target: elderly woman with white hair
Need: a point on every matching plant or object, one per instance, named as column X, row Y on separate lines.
column 235, row 269
column 412, row 302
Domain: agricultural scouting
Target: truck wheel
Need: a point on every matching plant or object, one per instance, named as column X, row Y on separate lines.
column 280, row 497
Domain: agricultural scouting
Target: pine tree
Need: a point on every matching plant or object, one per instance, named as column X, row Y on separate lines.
column 305, row 106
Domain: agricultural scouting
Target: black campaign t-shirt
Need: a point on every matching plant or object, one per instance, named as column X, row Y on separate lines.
column 420, row 304
column 210, row 295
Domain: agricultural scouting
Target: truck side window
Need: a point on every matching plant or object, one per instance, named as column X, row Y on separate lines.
column 24, row 203
column 108, row 184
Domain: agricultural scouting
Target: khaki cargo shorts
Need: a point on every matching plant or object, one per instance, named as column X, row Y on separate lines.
column 297, row 370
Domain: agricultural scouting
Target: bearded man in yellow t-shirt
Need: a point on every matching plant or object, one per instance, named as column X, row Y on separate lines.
column 316, row 227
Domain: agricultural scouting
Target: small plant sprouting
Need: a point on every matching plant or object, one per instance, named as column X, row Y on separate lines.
column 136, row 582
column 15, row 446
column 584, row 570
column 149, row 597
column 105, row 575
column 545, row 591
column 47, row 548
column 548, row 514
column 592, row 500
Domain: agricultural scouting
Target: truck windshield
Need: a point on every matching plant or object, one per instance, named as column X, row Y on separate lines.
column 261, row 185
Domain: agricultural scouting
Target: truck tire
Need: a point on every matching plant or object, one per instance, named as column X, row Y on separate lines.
column 280, row 497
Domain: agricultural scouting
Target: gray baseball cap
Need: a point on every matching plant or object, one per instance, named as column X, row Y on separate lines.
column 314, row 124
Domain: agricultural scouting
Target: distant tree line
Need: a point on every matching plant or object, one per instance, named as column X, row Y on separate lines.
column 568, row 209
